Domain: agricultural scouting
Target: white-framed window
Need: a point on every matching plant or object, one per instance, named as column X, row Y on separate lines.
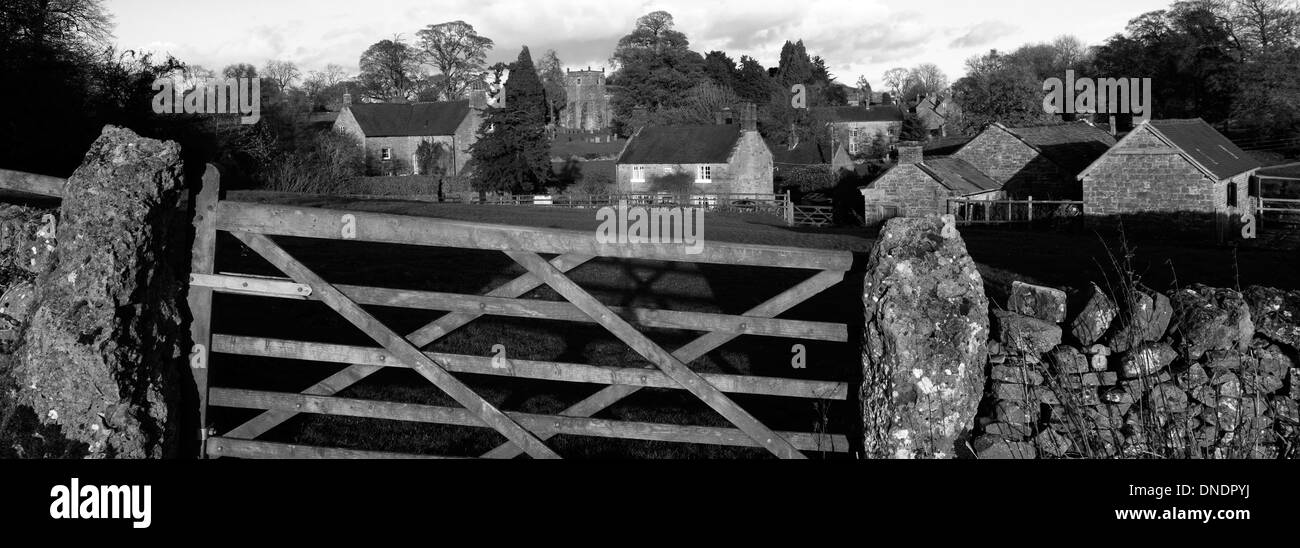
column 386, row 153
column 638, row 174
column 704, row 174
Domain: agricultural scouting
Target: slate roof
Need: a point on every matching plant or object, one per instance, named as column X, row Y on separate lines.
column 1072, row 146
column 710, row 144
column 808, row 152
column 880, row 113
column 410, row 119
column 944, row 146
column 1206, row 146
column 958, row 175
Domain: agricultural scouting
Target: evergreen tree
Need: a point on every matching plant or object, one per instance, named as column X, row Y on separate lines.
column 720, row 68
column 752, row 83
column 512, row 153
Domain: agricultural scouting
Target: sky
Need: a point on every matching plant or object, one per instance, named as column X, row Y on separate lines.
column 855, row 37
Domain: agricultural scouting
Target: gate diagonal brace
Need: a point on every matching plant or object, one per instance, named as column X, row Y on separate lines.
column 400, row 347
column 610, row 395
column 689, row 380
column 422, row 337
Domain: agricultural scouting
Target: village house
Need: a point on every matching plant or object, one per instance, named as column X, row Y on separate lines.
column 716, row 159
column 391, row 133
column 857, row 128
column 919, row 185
column 1043, row 161
column 938, row 113
column 1183, row 171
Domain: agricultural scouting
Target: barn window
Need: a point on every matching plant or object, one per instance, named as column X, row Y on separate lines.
column 1232, row 194
column 638, row 174
column 704, row 174
column 386, row 154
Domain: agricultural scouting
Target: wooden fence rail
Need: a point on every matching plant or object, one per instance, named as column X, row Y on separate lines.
column 254, row 224
column 1278, row 211
column 975, row 212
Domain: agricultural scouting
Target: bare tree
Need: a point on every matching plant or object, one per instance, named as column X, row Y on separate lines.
column 894, row 79
column 457, row 52
column 283, row 73
column 1265, row 25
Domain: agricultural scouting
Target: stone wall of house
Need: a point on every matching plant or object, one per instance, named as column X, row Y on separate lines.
column 861, row 134
column 748, row 172
column 907, row 188
column 1021, row 170
column 1158, row 180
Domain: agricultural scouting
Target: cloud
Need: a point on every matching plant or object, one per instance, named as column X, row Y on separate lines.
column 983, row 33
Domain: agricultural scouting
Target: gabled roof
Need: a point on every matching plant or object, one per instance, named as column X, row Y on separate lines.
column 958, row 175
column 410, row 119
column 944, row 146
column 1201, row 145
column 880, row 113
column 1072, row 147
column 1206, row 146
column 681, row 145
column 806, row 153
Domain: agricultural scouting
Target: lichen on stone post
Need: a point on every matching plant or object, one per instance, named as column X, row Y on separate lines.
column 101, row 353
column 924, row 342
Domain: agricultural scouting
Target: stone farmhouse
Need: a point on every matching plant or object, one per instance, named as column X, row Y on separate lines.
column 1184, row 170
column 390, row 133
column 1042, row 161
column 718, row 158
column 919, row 185
column 855, row 128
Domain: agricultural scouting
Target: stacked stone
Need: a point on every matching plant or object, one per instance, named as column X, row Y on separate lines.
column 1186, row 375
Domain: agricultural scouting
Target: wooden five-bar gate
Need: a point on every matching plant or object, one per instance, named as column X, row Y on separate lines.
column 254, row 224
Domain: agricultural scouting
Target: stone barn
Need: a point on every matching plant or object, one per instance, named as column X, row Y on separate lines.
column 920, row 185
column 1182, row 171
column 715, row 159
column 390, row 133
column 1042, row 161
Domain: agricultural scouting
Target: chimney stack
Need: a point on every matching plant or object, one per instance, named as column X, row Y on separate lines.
column 749, row 117
column 478, row 99
column 723, row 117
column 910, row 152
column 347, row 99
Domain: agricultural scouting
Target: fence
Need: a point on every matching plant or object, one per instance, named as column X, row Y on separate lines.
column 1278, row 211
column 252, row 223
column 768, row 203
column 976, row 212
